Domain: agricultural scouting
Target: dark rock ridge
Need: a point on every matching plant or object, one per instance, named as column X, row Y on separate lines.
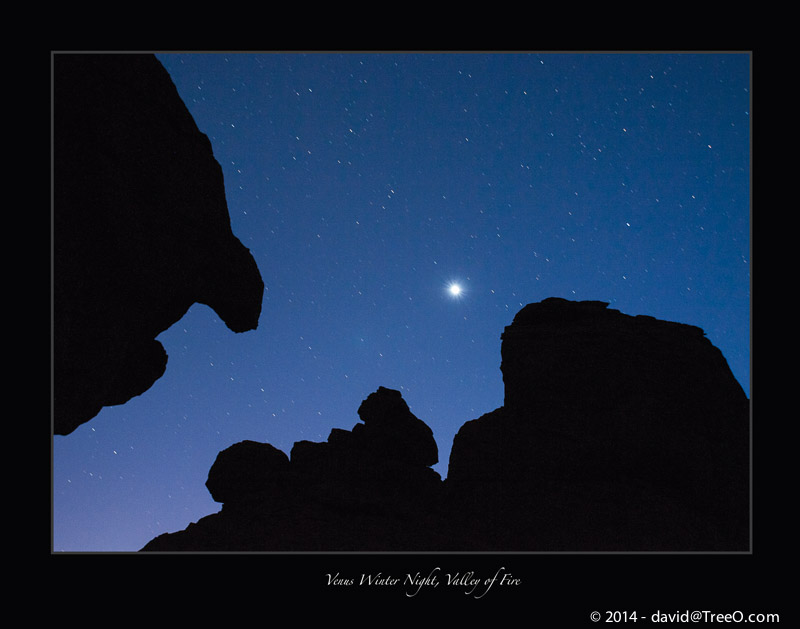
column 617, row 433
column 370, row 488
column 141, row 231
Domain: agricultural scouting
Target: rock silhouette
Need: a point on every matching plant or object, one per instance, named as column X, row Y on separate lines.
column 141, row 231
column 371, row 488
column 617, row 433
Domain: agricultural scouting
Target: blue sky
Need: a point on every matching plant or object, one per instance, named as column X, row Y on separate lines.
column 364, row 184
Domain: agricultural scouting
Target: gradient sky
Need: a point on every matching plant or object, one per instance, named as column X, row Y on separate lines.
column 364, row 184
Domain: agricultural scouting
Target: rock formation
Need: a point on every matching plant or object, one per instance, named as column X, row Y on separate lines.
column 371, row 488
column 617, row 433
column 141, row 231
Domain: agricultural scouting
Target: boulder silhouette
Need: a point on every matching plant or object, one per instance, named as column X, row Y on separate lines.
column 617, row 433
column 246, row 469
column 368, row 489
column 141, row 231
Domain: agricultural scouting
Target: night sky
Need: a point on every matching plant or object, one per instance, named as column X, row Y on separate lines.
column 365, row 185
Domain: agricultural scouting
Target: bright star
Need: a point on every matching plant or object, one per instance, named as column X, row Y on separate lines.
column 455, row 289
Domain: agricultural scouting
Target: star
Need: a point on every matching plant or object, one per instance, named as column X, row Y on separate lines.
column 455, row 289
